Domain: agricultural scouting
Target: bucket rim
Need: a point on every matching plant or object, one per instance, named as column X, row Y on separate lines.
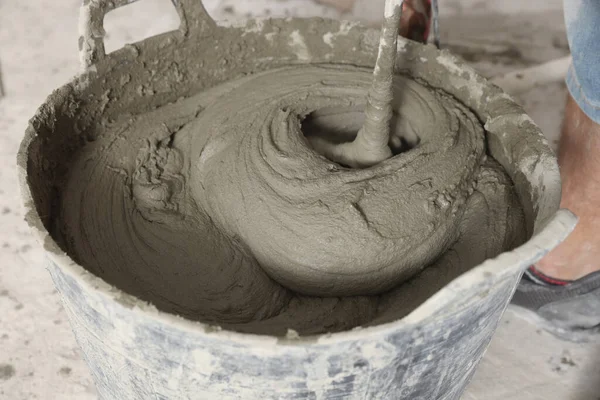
column 551, row 228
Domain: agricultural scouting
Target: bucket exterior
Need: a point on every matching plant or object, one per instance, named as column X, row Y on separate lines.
column 132, row 356
column 137, row 352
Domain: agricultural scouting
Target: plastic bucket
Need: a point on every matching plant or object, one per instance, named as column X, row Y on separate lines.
column 135, row 351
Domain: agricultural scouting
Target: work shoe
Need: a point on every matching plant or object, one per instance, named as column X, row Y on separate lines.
column 568, row 309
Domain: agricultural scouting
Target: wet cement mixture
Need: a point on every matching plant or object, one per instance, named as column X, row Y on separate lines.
column 237, row 207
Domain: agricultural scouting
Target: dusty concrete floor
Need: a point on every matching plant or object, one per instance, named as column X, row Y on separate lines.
column 39, row 358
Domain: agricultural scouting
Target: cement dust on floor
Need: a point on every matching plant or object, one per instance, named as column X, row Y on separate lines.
column 39, row 358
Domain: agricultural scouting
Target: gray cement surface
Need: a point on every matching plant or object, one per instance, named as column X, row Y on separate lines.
column 39, row 358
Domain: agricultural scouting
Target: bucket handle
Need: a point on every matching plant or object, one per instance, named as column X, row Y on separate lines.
column 193, row 16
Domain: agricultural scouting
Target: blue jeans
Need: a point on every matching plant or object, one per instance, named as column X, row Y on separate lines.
column 582, row 18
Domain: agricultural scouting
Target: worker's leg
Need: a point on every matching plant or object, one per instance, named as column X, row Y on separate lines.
column 564, row 288
column 579, row 148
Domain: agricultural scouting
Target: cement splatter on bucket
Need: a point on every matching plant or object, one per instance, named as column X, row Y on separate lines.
column 144, row 339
